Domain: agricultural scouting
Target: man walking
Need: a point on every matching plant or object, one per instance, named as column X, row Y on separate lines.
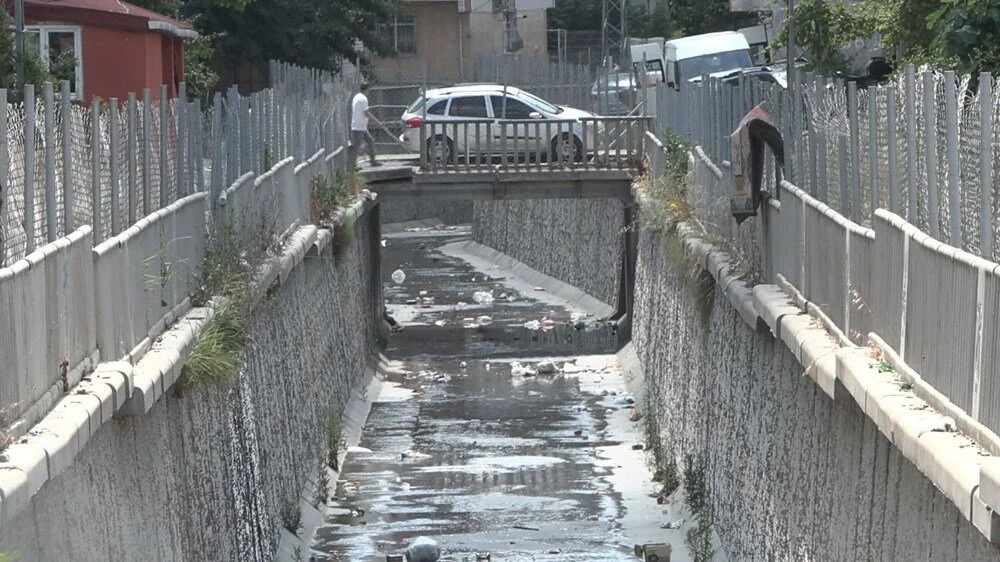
column 359, row 126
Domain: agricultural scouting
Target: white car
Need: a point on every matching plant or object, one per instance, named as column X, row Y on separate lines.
column 465, row 121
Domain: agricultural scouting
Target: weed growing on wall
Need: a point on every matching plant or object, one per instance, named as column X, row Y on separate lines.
column 667, row 201
column 8, row 414
column 699, row 537
column 9, row 556
column 668, row 476
column 328, row 196
column 291, row 516
column 322, row 494
column 334, row 441
column 228, row 283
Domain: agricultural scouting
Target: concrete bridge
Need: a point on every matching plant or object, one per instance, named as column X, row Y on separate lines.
column 842, row 408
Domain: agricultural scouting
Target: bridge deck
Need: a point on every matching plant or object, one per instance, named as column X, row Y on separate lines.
column 400, row 178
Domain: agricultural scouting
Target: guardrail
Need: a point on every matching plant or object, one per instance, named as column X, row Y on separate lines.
column 531, row 144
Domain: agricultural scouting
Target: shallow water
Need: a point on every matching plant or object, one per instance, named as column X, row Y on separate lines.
column 461, row 449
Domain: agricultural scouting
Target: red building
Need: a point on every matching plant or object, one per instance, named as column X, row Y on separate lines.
column 118, row 47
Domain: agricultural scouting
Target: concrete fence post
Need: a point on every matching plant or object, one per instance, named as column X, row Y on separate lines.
column 890, row 108
column 986, row 164
column 67, row 157
column 115, row 169
column 822, row 155
column 856, row 201
column 51, row 214
column 910, row 85
column 29, row 167
column 164, row 139
column 216, row 179
column 95, row 170
column 873, row 138
column 147, row 151
column 4, row 176
column 182, row 144
column 930, row 149
column 131, row 154
column 951, row 146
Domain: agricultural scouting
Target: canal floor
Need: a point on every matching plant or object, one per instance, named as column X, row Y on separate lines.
column 468, row 446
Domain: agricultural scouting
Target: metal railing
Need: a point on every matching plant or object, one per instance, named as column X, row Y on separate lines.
column 511, row 145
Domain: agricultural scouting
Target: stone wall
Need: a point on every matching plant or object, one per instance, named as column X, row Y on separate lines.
column 793, row 475
column 578, row 241
column 205, row 473
column 449, row 212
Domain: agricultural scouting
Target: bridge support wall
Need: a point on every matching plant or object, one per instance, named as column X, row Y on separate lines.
column 578, row 241
column 211, row 473
column 792, row 473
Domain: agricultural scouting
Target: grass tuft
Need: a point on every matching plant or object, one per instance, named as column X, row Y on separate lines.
column 667, row 196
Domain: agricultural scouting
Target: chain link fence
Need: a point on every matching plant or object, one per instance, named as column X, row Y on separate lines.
column 924, row 146
column 110, row 163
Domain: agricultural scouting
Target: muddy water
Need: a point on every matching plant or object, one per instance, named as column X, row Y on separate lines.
column 463, row 447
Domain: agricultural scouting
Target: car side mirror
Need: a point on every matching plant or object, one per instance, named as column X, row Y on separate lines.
column 534, row 115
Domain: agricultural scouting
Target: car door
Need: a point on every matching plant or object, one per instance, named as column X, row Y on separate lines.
column 526, row 138
column 470, row 138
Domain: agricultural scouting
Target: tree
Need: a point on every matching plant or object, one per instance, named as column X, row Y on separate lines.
column 963, row 35
column 823, row 27
column 35, row 71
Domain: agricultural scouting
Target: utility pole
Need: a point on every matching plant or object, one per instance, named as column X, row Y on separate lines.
column 614, row 31
column 19, row 43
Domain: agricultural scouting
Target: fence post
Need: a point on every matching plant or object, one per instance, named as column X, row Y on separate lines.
column 115, row 180
column 930, row 144
column 951, row 125
column 873, row 148
column 986, row 164
column 131, row 153
column 4, row 174
column 181, row 139
column 67, row 157
column 215, row 188
column 890, row 108
column 147, row 152
column 29, row 167
column 822, row 154
column 164, row 165
column 51, row 215
column 95, row 168
column 911, row 143
column 855, row 154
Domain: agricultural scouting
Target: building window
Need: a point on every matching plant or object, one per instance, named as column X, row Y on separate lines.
column 58, row 47
column 398, row 35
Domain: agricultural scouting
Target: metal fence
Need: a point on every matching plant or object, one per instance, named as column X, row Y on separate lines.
column 935, row 305
column 107, row 210
column 924, row 146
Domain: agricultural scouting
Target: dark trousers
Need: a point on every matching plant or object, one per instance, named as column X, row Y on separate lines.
column 357, row 137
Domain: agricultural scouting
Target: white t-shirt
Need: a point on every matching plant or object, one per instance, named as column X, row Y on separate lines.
column 359, row 120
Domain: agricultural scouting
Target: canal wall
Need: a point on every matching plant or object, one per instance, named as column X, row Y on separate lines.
column 213, row 472
column 448, row 212
column 795, row 467
column 577, row 241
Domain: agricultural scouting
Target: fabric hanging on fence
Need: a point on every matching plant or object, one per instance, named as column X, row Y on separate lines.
column 747, row 143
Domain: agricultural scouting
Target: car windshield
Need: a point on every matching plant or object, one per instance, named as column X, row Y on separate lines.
column 540, row 103
column 694, row 67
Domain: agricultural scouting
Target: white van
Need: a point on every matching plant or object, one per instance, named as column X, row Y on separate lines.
column 715, row 54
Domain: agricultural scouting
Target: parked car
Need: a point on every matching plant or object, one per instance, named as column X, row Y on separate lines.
column 558, row 134
column 614, row 94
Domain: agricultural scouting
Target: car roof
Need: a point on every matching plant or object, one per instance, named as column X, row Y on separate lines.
column 471, row 89
column 707, row 43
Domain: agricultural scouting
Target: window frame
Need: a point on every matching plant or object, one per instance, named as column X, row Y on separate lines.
column 510, row 97
column 482, row 97
column 43, row 30
column 394, row 26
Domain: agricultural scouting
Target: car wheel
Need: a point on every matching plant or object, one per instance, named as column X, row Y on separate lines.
column 440, row 150
column 566, row 148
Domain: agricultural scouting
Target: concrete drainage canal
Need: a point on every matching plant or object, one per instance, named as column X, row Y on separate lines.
column 503, row 428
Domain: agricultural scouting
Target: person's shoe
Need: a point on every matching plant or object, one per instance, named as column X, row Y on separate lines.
column 375, row 164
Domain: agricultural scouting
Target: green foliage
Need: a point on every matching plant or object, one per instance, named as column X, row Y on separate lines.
column 322, row 494
column 34, row 68
column 963, row 35
column 666, row 196
column 699, row 537
column 328, row 196
column 822, row 27
column 334, row 441
column 668, row 476
column 695, row 485
column 199, row 76
column 291, row 516
column 9, row 556
column 229, row 270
